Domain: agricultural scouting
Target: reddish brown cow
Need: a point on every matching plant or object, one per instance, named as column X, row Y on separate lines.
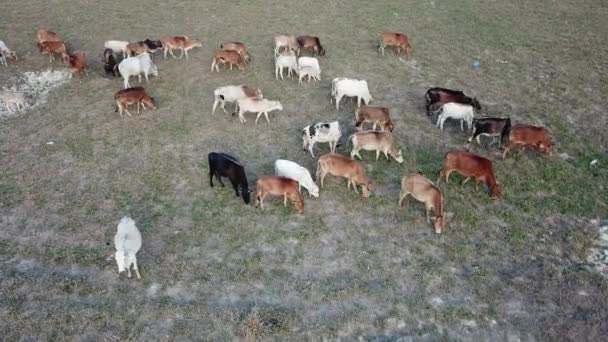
column 230, row 57
column 136, row 95
column 397, row 39
column 51, row 48
column 278, row 186
column 76, row 62
column 341, row 166
column 238, row 47
column 310, row 43
column 47, row 36
column 470, row 165
column 435, row 97
column 526, row 135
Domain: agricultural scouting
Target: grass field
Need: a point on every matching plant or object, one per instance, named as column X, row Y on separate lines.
column 215, row 269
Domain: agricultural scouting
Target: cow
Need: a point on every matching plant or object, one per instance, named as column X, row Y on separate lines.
column 300, row 174
column 341, row 166
column 321, row 132
column 283, row 61
column 310, row 43
column 51, row 48
column 492, row 127
column 225, row 165
column 76, row 62
column 260, row 106
column 118, row 46
column 109, row 62
column 285, row 41
column 423, row 190
column 342, row 86
column 238, row 47
column 435, row 97
column 6, row 52
column 375, row 141
column 47, row 36
column 232, row 93
column 229, row 57
column 377, row 115
column 278, row 186
column 136, row 95
column 183, row 43
column 399, row 40
column 470, row 165
column 137, row 65
column 527, row 135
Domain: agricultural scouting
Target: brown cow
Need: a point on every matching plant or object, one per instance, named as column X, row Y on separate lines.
column 527, row 135
column 238, row 47
column 470, row 165
column 183, row 43
column 397, row 39
column 76, row 62
column 47, row 36
column 278, row 186
column 435, row 97
column 136, row 95
column 341, row 166
column 51, row 48
column 227, row 57
column 423, row 190
column 310, row 43
column 137, row 48
column 375, row 114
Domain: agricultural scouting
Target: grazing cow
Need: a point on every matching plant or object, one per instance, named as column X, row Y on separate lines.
column 118, row 46
column 278, row 186
column 321, row 132
column 423, row 190
column 6, row 52
column 457, row 111
column 229, row 57
column 284, row 41
column 76, row 62
column 492, row 127
column 375, row 141
column 527, row 135
column 435, row 97
column 225, row 165
column 308, row 72
column 233, row 93
column 285, row 61
column 309, row 62
column 300, row 174
column 136, row 95
column 310, row 43
column 376, row 115
column 109, row 62
column 341, row 87
column 127, row 242
column 260, row 106
column 137, row 65
column 238, row 47
column 51, row 48
column 398, row 40
column 183, row 43
column 340, row 166
column 13, row 101
column 47, row 36
column 470, row 165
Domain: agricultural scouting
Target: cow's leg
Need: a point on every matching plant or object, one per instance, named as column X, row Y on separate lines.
column 310, row 146
column 215, row 103
column 323, row 174
column 464, row 181
column 219, row 179
column 235, row 186
column 182, row 54
column 258, row 116
column 402, row 197
column 354, row 186
column 211, row 178
column 386, row 155
column 428, row 219
column 377, row 154
column 285, row 199
column 212, row 64
column 507, row 148
column 230, row 66
column 266, row 116
column 462, row 125
column 276, row 72
column 338, row 98
column 138, row 107
column 136, row 269
column 477, row 181
column 374, row 126
column 353, row 153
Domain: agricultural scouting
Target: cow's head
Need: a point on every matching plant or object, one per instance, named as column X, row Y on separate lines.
column 389, row 126
column 546, row 147
column 367, row 188
column 439, row 224
column 495, row 191
column 398, row 157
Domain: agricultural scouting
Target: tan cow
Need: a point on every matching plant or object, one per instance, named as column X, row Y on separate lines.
column 376, row 115
column 227, row 57
column 47, row 36
column 375, row 141
column 278, row 186
column 183, row 43
column 341, row 166
column 398, row 40
column 51, row 48
column 423, row 190
column 136, row 95
column 238, row 47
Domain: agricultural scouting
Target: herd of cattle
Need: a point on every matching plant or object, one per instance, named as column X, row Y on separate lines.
column 136, row 58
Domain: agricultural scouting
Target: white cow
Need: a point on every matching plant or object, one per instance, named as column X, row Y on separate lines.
column 321, row 132
column 262, row 106
column 233, row 93
column 309, row 62
column 341, row 87
column 117, row 46
column 6, row 52
column 300, row 174
column 13, row 101
column 285, row 61
column 137, row 65
column 127, row 242
column 457, row 111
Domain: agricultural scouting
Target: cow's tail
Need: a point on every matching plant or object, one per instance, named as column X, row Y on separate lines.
column 504, row 135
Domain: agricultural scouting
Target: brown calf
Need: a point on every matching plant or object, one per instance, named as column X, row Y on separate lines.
column 526, row 135
column 341, row 166
column 136, row 48
column 374, row 114
column 470, row 165
column 310, row 43
column 238, row 47
column 51, row 48
column 278, row 186
column 76, row 62
column 182, row 43
column 136, row 95
column 47, row 36
column 230, row 57
column 423, row 190
column 398, row 40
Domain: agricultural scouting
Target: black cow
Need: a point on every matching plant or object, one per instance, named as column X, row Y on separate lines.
column 224, row 165
column 109, row 63
column 493, row 127
column 435, row 97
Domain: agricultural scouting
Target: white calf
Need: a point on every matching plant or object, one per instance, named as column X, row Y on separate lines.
column 300, row 174
column 6, row 52
column 136, row 66
column 285, row 61
column 341, row 87
column 117, row 46
column 321, row 132
column 457, row 111
column 233, row 93
column 261, row 106
column 13, row 101
column 127, row 242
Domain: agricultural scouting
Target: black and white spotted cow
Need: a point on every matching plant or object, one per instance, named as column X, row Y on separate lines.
column 321, row 132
